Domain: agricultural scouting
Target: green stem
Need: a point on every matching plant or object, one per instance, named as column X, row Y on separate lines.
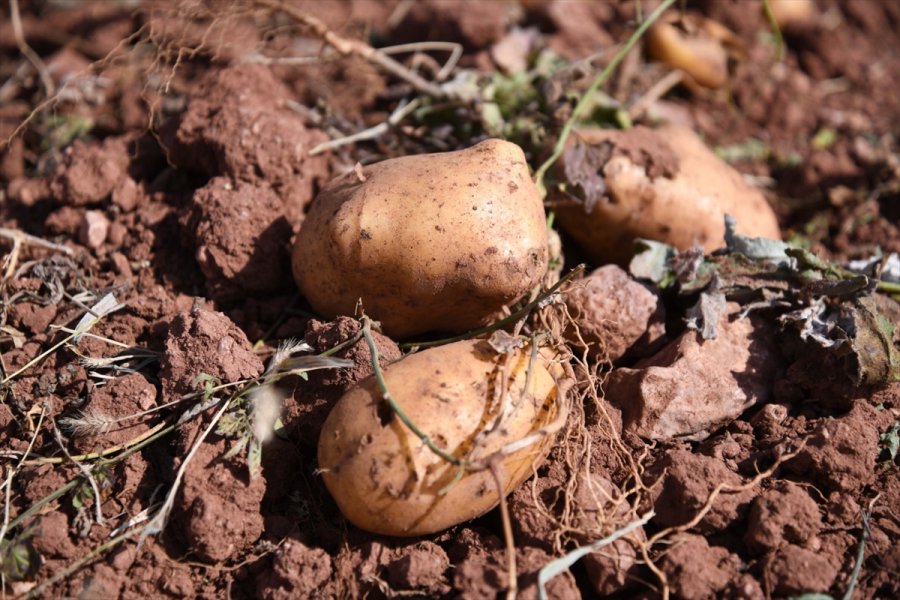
column 583, row 102
column 776, row 31
column 525, row 310
column 386, row 395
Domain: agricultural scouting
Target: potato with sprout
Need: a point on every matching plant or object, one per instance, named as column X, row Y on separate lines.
column 433, row 242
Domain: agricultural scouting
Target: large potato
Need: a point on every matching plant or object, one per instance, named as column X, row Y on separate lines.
column 429, row 242
column 384, row 478
column 664, row 185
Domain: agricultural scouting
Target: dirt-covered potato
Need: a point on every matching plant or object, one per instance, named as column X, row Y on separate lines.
column 472, row 402
column 429, row 242
column 660, row 184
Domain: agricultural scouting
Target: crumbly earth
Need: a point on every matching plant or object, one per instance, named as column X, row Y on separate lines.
column 179, row 191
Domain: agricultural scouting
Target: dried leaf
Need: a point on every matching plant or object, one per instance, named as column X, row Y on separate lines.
column 756, row 248
column 583, row 166
column 504, row 343
column 705, row 314
column 651, row 261
column 872, row 340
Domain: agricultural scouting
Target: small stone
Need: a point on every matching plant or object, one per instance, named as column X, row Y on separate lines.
column 126, row 194
column 117, row 233
column 93, row 230
column 121, row 264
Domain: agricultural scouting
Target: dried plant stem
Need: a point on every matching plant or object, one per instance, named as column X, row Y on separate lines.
column 387, row 397
column 87, row 558
column 12, row 474
column 358, row 48
column 512, row 576
column 19, row 239
column 161, row 428
column 656, row 91
column 84, row 471
column 585, row 99
column 512, row 318
column 401, row 112
column 27, row 51
column 51, row 350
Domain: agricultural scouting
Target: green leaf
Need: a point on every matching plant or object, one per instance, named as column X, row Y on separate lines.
column 824, row 139
column 237, row 448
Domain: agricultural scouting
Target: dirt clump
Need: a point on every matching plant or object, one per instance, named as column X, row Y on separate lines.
column 687, row 480
column 311, row 400
column 613, row 314
column 238, row 123
column 783, row 515
column 240, row 236
column 208, row 343
column 90, row 172
column 697, row 570
column 298, row 571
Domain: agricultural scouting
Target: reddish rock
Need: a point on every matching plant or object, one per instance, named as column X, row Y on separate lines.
column 93, row 229
column 613, row 312
column 126, row 194
column 694, row 386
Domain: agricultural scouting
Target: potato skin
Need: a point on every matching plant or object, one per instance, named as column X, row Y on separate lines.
column 686, row 209
column 433, row 242
column 385, row 480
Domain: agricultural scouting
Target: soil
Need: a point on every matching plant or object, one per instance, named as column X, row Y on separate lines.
column 172, row 172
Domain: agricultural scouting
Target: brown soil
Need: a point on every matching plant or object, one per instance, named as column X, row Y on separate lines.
column 180, row 191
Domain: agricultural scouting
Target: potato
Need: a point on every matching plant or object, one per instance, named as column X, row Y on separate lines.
column 664, row 185
column 429, row 242
column 698, row 46
column 384, row 478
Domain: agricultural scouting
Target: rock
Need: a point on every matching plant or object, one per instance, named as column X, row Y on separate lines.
column 693, row 386
column 93, row 229
column 782, row 515
column 126, row 194
column 696, row 570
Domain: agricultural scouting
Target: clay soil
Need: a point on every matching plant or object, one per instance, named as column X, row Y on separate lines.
column 172, row 171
